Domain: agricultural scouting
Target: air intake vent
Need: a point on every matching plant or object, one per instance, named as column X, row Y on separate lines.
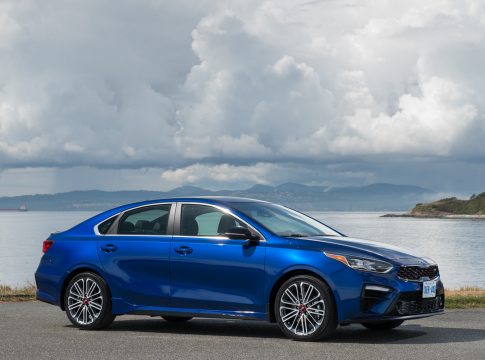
column 409, row 304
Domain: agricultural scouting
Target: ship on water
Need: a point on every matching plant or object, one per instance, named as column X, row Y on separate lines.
column 22, row 207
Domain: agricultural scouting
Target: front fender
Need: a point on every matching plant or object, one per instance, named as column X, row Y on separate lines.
column 281, row 262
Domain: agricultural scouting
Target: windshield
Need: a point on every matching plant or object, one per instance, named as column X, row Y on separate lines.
column 282, row 221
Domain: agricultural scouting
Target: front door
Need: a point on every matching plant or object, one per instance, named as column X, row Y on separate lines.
column 135, row 256
column 210, row 271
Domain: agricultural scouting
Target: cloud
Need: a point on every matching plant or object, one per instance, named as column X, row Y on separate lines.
column 92, row 82
column 425, row 124
column 220, row 174
column 223, row 176
column 216, row 86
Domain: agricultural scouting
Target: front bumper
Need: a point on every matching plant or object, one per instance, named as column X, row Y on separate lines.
column 399, row 306
column 402, row 301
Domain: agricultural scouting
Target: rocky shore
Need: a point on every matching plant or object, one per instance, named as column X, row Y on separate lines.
column 436, row 216
column 449, row 208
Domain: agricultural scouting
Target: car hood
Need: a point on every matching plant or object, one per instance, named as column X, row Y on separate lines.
column 347, row 245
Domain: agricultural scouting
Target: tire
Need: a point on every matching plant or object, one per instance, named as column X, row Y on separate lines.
column 177, row 318
column 305, row 309
column 88, row 302
column 384, row 325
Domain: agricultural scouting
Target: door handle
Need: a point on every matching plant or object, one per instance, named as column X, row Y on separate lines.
column 183, row 250
column 108, row 248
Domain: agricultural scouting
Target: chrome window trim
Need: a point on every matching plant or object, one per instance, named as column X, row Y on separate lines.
column 136, row 235
column 222, row 209
column 225, row 210
column 121, row 213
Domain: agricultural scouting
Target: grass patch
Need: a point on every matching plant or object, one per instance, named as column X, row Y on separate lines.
column 465, row 298
column 25, row 293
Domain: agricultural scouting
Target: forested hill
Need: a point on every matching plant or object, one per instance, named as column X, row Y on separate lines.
column 452, row 206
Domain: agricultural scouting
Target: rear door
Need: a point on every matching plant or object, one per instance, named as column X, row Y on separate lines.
column 135, row 255
column 209, row 270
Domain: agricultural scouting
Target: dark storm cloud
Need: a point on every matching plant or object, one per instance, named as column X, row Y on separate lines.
column 248, row 88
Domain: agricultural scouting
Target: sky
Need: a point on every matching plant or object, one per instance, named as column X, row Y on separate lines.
column 151, row 94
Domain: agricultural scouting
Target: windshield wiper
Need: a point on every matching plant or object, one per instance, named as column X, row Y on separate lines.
column 292, row 235
column 298, row 235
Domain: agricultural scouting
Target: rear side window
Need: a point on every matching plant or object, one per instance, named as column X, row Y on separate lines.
column 148, row 220
column 105, row 225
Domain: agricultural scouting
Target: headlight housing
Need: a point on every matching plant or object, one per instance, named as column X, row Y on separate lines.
column 362, row 264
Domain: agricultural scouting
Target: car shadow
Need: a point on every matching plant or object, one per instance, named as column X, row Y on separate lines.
column 212, row 327
column 405, row 334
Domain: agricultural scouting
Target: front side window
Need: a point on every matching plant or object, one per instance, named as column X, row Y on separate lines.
column 204, row 220
column 148, row 220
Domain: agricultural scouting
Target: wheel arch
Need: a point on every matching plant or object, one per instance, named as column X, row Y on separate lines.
column 71, row 275
column 288, row 275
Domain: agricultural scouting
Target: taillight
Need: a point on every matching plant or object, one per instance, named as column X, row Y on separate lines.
column 46, row 245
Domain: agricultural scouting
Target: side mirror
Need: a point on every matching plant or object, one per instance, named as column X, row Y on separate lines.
column 241, row 233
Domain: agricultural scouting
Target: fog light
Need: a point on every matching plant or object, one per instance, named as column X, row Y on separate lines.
column 377, row 288
column 372, row 295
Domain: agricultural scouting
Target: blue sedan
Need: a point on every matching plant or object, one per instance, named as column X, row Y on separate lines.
column 232, row 258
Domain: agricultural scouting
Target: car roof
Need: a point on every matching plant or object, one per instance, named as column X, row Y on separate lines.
column 208, row 199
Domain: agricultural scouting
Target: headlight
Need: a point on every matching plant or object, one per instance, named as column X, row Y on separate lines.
column 362, row 264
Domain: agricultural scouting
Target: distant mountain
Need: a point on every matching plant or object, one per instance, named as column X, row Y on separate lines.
column 379, row 197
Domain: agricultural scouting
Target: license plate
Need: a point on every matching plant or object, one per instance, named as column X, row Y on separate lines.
column 429, row 289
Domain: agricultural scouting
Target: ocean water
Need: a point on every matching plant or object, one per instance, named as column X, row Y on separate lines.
column 458, row 246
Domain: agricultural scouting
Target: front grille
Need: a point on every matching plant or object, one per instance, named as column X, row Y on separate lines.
column 417, row 272
column 415, row 304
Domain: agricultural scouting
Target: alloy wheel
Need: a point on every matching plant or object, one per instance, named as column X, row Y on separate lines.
column 85, row 300
column 302, row 308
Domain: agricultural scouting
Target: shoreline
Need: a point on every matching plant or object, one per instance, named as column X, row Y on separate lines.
column 435, row 216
